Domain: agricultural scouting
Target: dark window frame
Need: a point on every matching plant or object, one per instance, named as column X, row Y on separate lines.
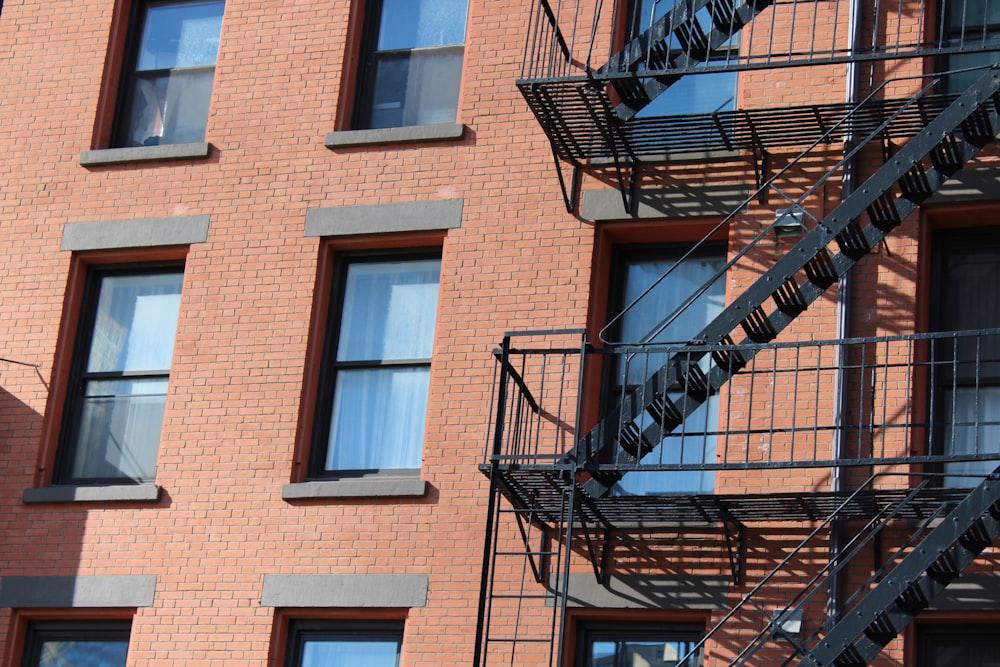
column 368, row 57
column 591, row 631
column 622, row 256
column 946, row 372
column 301, row 631
column 952, row 34
column 330, row 366
column 130, row 76
column 78, row 376
column 39, row 632
column 928, row 634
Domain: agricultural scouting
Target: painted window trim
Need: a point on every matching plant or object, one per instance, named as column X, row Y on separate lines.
column 328, row 370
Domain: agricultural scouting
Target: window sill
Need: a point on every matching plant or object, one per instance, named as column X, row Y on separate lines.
column 192, row 151
column 395, row 135
column 369, row 487
column 127, row 493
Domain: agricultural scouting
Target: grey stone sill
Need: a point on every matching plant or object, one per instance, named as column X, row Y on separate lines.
column 128, row 493
column 368, row 487
column 395, row 135
column 192, row 151
column 680, row 157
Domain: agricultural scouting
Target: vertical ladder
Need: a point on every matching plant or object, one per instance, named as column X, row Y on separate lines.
column 524, row 582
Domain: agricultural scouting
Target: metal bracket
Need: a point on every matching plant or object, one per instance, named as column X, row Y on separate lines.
column 600, row 564
column 761, row 158
column 736, row 546
column 570, row 194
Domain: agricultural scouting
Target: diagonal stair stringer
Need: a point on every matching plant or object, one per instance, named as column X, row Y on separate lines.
column 823, row 256
column 653, row 51
column 913, row 584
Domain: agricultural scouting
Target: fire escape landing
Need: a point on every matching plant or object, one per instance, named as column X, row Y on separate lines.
column 877, row 456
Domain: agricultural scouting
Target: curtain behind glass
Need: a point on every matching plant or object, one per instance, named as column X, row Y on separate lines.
column 379, row 411
column 685, row 280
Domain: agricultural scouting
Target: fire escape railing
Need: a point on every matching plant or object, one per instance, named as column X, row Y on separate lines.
column 586, row 102
column 561, row 40
column 915, row 399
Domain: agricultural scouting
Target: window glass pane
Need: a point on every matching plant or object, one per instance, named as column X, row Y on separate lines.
column 83, row 654
column 389, row 310
column 605, row 646
column 973, row 14
column 169, row 109
column 966, row 373
column 410, row 24
column 957, row 646
column 644, row 653
column 670, row 293
column 691, row 94
column 971, row 427
column 378, row 419
column 416, row 88
column 647, row 11
column 180, row 35
column 119, row 432
column 136, row 323
column 689, row 444
column 695, row 93
column 350, row 653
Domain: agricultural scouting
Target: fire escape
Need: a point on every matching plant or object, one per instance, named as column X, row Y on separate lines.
column 827, row 412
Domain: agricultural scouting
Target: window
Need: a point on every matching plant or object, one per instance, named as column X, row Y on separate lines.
column 167, row 83
column 970, row 24
column 959, row 646
column 965, row 293
column 118, row 384
column 634, row 270
column 76, row 644
column 373, row 400
column 691, row 94
column 628, row 644
column 411, row 63
column 344, row 644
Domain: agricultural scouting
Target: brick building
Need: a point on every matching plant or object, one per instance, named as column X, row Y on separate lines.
column 697, row 355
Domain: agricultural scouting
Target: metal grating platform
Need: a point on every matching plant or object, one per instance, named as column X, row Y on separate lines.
column 583, row 129
column 541, row 492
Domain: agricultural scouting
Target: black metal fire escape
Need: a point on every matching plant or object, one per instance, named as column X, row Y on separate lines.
column 558, row 501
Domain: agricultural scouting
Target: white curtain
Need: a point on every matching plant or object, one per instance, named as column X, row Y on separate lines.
column 379, row 411
column 689, row 443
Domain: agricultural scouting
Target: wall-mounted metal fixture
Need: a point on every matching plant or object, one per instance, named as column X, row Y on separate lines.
column 788, row 222
column 788, row 623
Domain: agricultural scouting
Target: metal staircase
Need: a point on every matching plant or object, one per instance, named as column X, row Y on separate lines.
column 680, row 40
column 644, row 416
column 912, row 585
column 947, row 536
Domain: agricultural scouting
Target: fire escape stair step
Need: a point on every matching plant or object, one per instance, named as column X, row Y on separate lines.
column 675, row 41
column 941, row 142
column 911, row 586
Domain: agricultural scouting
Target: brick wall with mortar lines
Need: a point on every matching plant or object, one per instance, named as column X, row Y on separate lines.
column 519, row 261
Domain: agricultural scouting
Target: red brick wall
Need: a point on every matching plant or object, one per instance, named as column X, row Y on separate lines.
column 232, row 425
